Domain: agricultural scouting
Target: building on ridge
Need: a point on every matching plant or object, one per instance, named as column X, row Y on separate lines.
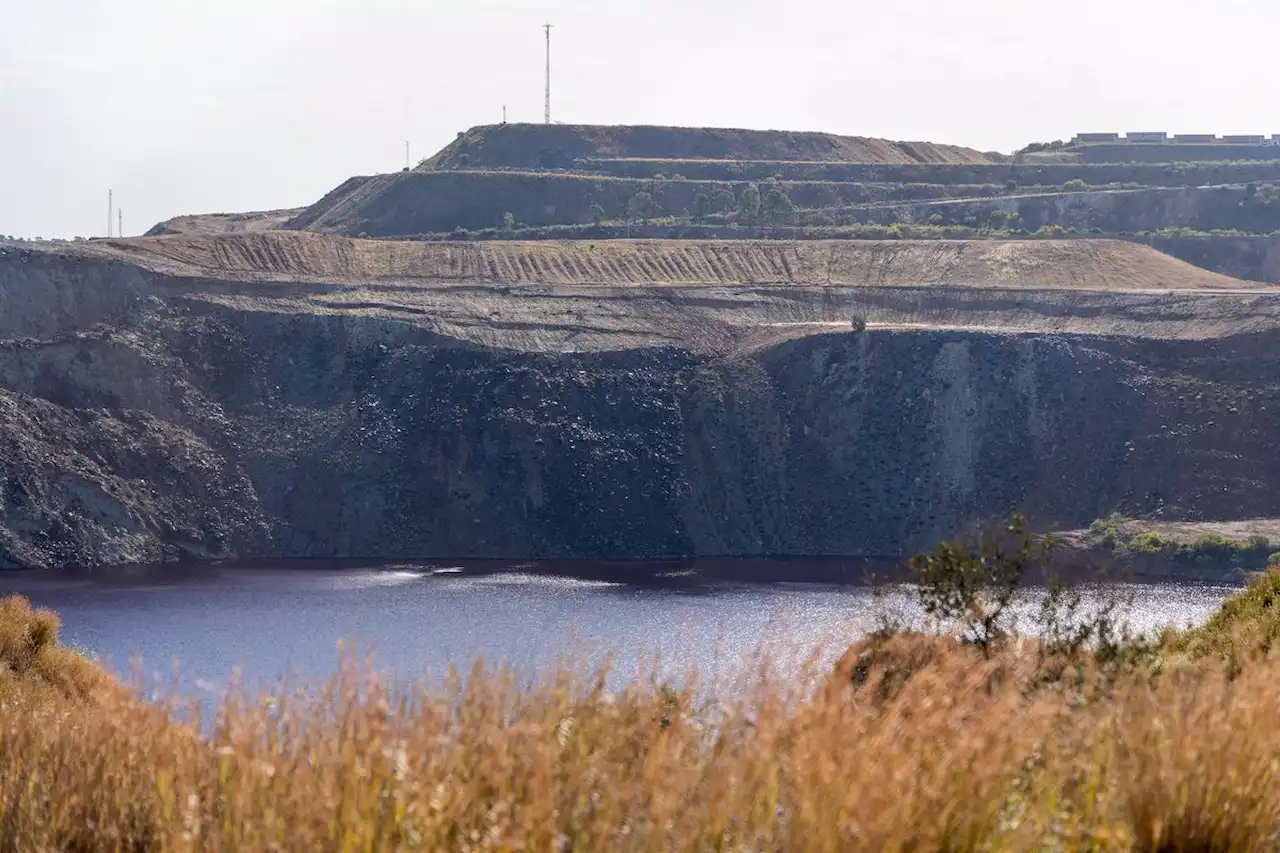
column 1097, row 137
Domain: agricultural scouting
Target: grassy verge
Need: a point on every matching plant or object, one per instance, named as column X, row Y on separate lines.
column 913, row 742
column 1127, row 537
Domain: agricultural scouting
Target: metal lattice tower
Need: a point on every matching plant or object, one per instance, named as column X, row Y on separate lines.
column 547, row 115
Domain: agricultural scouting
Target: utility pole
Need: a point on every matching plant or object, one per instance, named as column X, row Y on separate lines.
column 111, row 207
column 547, row 27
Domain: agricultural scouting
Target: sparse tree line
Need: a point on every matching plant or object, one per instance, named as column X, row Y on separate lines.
column 1038, row 147
column 769, row 203
column 755, row 204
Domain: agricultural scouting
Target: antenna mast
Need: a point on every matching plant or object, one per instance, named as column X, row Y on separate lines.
column 547, row 27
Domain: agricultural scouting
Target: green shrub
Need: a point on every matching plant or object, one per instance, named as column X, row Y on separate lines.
column 1105, row 532
column 973, row 585
column 1149, row 542
column 1247, row 624
column 1211, row 542
column 642, row 206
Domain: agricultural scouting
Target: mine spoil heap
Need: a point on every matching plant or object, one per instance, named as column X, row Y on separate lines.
column 787, row 379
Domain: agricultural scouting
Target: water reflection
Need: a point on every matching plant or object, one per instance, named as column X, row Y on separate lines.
column 418, row 619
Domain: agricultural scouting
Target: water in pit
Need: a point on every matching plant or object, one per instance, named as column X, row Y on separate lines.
column 271, row 622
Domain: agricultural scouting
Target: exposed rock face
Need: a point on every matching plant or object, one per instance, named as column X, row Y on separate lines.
column 143, row 419
column 85, row 486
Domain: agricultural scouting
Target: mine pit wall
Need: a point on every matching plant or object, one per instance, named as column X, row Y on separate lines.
column 136, row 425
column 1246, row 256
column 43, row 296
column 831, row 444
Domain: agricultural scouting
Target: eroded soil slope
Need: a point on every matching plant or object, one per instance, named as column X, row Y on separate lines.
column 305, row 396
column 1104, row 265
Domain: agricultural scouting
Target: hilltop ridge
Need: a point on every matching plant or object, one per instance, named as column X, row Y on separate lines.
column 584, row 182
column 542, row 146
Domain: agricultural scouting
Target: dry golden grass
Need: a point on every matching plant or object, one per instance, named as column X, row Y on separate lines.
column 30, row 656
column 912, row 743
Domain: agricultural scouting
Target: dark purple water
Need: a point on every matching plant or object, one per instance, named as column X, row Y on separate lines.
column 273, row 622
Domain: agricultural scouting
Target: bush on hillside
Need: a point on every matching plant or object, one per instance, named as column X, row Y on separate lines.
column 1210, row 548
column 1246, row 627
column 1038, row 147
column 31, row 656
column 775, row 203
column 749, row 203
column 642, row 206
column 701, row 207
column 972, row 584
column 723, row 201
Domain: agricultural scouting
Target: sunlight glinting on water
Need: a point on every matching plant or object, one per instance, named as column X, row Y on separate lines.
column 418, row 623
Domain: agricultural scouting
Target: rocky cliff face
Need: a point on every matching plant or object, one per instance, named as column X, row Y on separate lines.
column 142, row 421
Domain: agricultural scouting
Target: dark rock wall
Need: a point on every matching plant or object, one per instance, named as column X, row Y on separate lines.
column 200, row 431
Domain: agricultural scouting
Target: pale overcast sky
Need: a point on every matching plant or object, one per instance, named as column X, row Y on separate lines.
column 193, row 106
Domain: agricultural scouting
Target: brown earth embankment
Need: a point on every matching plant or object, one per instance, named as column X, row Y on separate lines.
column 1099, row 265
